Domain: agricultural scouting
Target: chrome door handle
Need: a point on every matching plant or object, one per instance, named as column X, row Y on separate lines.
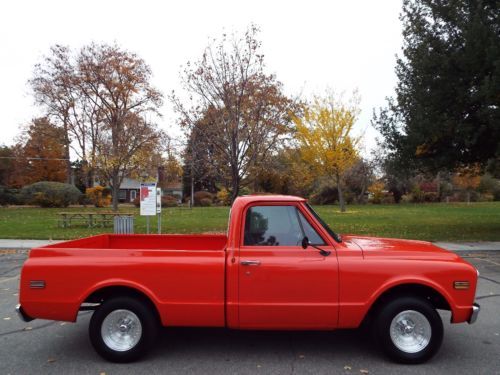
column 250, row 262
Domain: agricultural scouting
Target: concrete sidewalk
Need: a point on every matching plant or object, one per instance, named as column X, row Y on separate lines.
column 452, row 246
column 24, row 244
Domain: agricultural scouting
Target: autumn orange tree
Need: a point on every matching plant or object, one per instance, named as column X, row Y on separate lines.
column 324, row 133
column 40, row 154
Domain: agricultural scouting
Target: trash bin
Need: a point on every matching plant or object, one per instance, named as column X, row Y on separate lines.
column 124, row 225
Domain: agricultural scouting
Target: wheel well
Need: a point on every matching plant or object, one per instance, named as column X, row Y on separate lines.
column 417, row 290
column 101, row 295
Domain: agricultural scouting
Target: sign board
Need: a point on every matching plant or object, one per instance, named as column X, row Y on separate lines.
column 148, row 198
column 158, row 200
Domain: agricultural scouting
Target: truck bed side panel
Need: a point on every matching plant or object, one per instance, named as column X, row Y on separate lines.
column 187, row 287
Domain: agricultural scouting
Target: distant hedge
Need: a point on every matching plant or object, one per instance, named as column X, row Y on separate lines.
column 8, row 196
column 50, row 194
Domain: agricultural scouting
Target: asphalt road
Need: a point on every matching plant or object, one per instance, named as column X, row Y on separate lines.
column 46, row 347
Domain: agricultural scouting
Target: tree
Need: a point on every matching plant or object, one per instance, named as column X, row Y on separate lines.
column 447, row 108
column 359, row 177
column 468, row 179
column 7, row 165
column 40, row 154
column 54, row 88
column 324, row 133
column 242, row 108
column 117, row 83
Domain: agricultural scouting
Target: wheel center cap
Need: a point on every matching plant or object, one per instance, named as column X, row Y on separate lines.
column 124, row 327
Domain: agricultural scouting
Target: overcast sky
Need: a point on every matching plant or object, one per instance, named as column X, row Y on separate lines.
column 309, row 45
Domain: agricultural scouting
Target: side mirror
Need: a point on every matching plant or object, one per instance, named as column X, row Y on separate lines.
column 305, row 242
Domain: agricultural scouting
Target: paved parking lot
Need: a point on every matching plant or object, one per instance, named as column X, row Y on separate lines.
column 45, row 347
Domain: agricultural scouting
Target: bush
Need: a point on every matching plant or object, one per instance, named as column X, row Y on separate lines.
column 50, row 194
column 431, row 197
column 205, row 202
column 417, row 195
column 8, row 196
column 169, row 201
column 99, row 196
column 486, row 197
column 388, row 199
column 496, row 194
column 465, row 196
column 224, row 197
column 200, row 195
column 326, row 195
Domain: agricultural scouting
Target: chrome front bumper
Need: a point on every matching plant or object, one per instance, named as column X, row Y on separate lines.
column 22, row 315
column 474, row 313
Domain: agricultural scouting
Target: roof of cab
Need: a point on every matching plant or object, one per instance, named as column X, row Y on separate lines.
column 269, row 198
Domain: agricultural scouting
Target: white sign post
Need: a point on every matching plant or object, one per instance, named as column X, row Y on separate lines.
column 158, row 208
column 148, row 201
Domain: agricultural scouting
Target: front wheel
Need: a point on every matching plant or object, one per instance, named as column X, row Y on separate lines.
column 409, row 330
column 123, row 329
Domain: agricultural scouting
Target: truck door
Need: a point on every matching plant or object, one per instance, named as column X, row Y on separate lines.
column 281, row 285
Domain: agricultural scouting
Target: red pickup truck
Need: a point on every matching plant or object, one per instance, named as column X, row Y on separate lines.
column 280, row 267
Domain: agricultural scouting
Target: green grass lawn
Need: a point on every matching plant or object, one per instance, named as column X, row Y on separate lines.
column 433, row 222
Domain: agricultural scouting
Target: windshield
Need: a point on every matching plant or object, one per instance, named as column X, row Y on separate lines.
column 334, row 235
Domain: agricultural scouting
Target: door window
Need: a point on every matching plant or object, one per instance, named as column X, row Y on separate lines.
column 309, row 231
column 277, row 226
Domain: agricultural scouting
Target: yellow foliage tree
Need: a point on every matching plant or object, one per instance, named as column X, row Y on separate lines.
column 324, row 133
column 377, row 191
column 468, row 178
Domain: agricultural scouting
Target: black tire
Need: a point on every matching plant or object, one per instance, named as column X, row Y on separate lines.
column 402, row 305
column 120, row 307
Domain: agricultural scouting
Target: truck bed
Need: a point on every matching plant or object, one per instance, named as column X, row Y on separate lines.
column 182, row 274
column 147, row 242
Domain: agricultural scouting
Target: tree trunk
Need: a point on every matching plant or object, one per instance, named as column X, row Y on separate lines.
column 67, row 146
column 115, row 188
column 235, row 186
column 361, row 196
column 341, row 196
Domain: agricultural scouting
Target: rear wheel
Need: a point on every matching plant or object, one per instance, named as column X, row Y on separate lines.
column 409, row 330
column 123, row 329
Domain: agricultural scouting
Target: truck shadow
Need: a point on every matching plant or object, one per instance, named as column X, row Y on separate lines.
column 235, row 343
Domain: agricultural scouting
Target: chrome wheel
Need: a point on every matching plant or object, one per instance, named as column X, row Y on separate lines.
column 121, row 330
column 410, row 331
